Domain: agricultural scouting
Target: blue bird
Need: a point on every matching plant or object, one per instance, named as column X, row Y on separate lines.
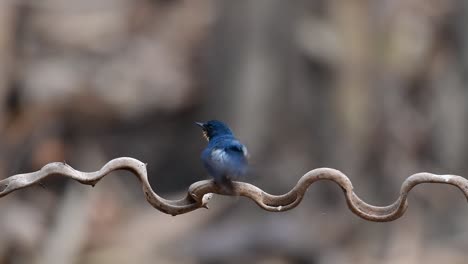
column 225, row 158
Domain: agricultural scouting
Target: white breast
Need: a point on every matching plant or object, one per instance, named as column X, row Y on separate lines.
column 219, row 155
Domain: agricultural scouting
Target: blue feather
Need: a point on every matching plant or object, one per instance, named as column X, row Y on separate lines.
column 225, row 158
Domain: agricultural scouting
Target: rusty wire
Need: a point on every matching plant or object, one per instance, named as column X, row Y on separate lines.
column 199, row 193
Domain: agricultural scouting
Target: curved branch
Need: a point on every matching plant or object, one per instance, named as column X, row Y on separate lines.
column 199, row 193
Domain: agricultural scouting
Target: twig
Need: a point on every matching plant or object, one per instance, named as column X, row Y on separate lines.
column 199, row 193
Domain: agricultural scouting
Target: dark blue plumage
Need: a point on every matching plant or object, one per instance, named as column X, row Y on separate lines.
column 225, row 158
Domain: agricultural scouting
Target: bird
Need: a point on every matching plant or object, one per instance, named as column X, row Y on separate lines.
column 225, row 157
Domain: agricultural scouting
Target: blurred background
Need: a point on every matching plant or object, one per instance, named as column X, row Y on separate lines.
column 376, row 89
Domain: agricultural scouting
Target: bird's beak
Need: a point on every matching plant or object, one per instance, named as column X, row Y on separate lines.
column 205, row 133
column 200, row 124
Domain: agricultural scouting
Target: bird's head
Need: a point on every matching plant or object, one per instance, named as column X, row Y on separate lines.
column 214, row 128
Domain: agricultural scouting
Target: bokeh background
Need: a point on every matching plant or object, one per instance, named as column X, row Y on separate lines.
column 376, row 89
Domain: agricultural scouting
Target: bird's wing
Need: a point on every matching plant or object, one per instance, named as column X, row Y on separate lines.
column 230, row 160
column 237, row 148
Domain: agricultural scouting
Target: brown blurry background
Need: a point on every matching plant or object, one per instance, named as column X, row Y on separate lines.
column 376, row 89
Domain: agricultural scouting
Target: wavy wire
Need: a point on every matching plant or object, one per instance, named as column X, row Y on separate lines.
column 199, row 193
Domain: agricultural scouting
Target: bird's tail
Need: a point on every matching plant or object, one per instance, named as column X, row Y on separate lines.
column 226, row 185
